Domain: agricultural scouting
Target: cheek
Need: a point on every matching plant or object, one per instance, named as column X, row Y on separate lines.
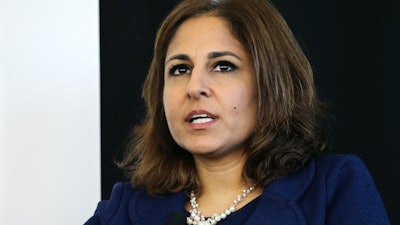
column 241, row 100
column 166, row 104
column 167, row 95
column 169, row 104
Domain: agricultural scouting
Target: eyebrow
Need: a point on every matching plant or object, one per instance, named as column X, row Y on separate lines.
column 179, row 57
column 211, row 55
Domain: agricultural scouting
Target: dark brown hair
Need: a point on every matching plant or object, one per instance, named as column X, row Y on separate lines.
column 288, row 132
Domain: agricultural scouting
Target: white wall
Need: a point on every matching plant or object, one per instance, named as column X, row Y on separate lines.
column 49, row 111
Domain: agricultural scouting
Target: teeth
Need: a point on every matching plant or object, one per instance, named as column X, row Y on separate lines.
column 199, row 116
column 202, row 120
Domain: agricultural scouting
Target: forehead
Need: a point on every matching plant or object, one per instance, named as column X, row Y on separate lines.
column 204, row 32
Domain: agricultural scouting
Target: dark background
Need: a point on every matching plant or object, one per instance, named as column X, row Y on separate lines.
column 352, row 46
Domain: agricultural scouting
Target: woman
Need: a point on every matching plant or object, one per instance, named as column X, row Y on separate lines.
column 233, row 130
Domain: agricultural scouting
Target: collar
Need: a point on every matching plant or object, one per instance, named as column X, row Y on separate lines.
column 278, row 203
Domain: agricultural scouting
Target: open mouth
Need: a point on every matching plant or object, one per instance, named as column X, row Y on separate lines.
column 200, row 118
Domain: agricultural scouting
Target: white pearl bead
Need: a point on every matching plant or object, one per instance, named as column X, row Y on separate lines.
column 227, row 212
column 196, row 218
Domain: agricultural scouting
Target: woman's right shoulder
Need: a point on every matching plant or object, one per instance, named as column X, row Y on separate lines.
column 121, row 194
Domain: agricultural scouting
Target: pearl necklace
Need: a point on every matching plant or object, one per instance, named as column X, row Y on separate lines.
column 197, row 218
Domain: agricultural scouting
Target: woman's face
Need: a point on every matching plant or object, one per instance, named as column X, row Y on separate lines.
column 210, row 88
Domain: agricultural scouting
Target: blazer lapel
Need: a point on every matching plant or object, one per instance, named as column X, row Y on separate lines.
column 147, row 210
column 279, row 202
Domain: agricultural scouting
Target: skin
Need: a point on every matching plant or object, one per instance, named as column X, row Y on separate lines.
column 209, row 73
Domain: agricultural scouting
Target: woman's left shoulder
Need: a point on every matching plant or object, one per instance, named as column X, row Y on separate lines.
column 334, row 168
column 332, row 162
column 347, row 189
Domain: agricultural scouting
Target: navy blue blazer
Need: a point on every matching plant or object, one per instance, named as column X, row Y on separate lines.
column 332, row 190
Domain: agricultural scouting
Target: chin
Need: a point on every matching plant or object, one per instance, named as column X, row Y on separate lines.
column 201, row 150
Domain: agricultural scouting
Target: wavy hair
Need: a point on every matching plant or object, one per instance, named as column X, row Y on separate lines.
column 289, row 130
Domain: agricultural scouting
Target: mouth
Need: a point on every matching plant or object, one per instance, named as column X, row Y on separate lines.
column 200, row 118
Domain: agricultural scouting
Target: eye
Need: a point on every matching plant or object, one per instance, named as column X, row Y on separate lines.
column 224, row 66
column 179, row 69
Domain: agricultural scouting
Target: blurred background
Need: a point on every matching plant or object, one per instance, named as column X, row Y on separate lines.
column 352, row 46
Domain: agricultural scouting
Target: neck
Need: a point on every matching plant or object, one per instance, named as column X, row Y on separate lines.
column 221, row 175
column 221, row 182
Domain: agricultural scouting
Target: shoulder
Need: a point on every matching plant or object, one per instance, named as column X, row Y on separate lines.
column 118, row 203
column 342, row 171
column 121, row 192
column 319, row 171
column 343, row 185
column 347, row 172
column 332, row 189
column 335, row 164
column 336, row 161
column 129, row 205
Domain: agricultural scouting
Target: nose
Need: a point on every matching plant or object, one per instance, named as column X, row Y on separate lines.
column 198, row 85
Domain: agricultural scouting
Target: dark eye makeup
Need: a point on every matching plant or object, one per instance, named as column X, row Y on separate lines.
column 219, row 66
column 224, row 66
column 179, row 69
